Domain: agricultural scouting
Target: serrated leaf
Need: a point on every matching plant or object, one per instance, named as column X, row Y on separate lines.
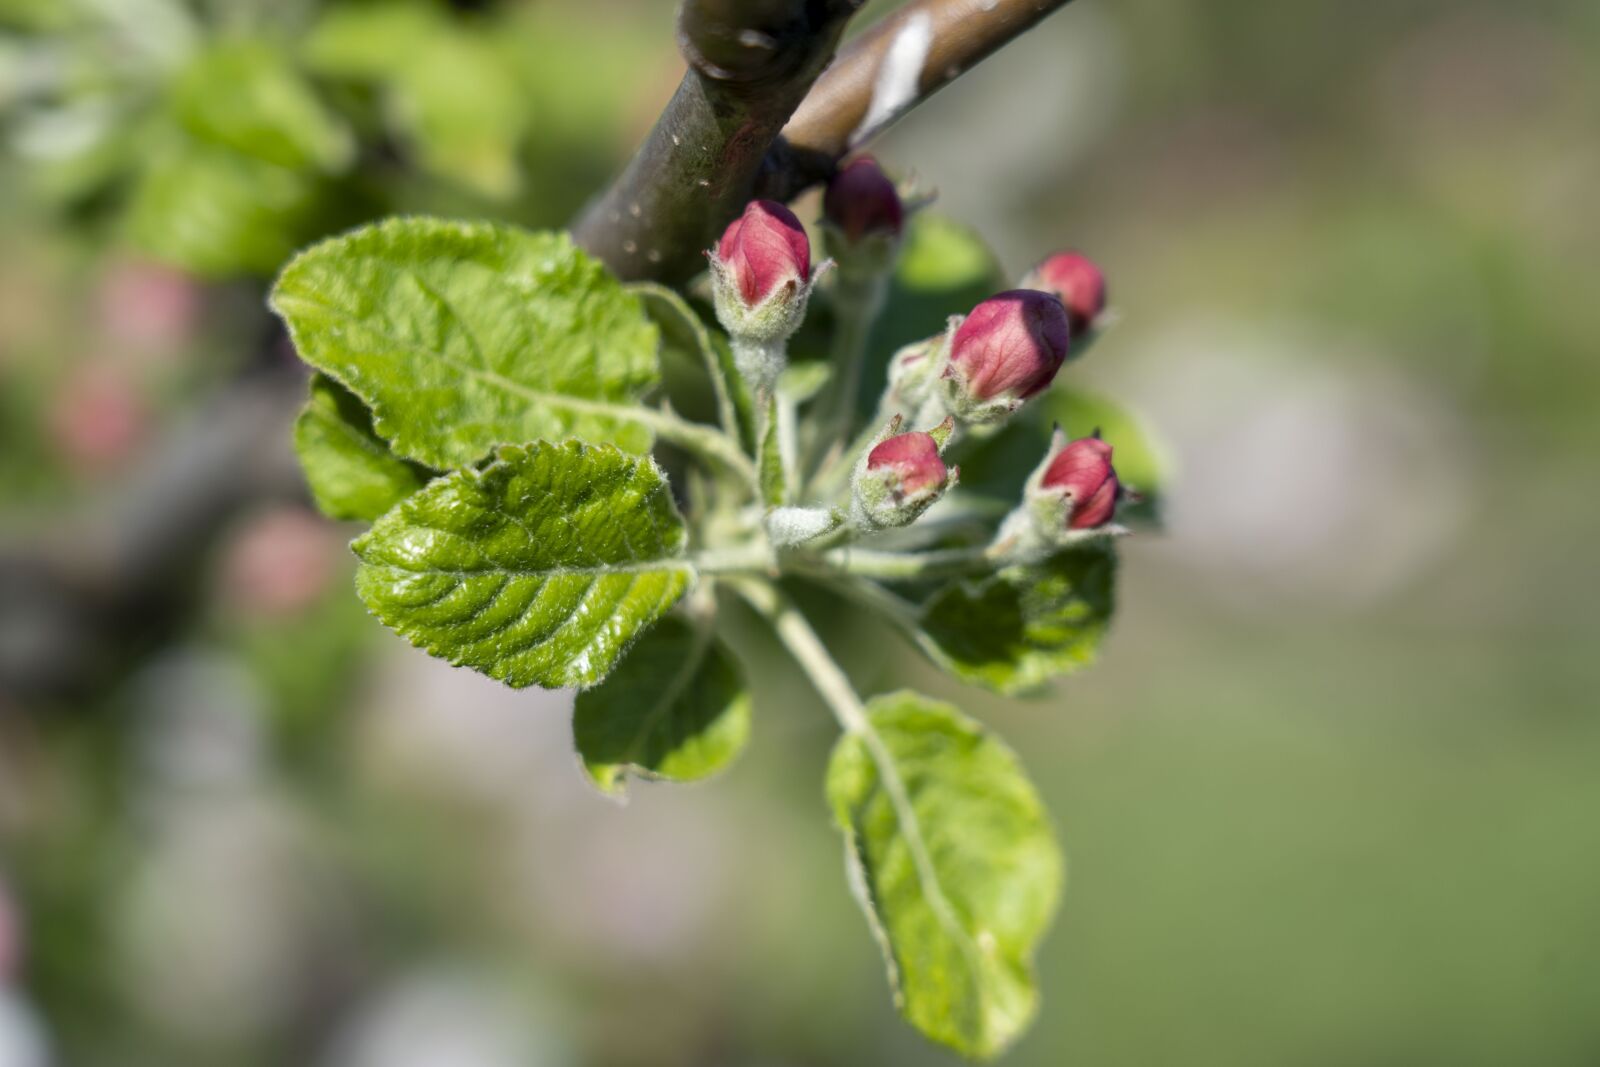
column 246, row 95
column 675, row 709
column 953, row 859
column 349, row 468
column 464, row 336
column 539, row 569
column 1017, row 629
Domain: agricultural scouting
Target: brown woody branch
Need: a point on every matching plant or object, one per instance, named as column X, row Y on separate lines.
column 747, row 119
column 750, row 64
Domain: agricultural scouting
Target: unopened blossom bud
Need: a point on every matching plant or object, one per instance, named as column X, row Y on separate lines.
column 901, row 477
column 1079, row 284
column 761, row 280
column 1007, row 350
column 862, row 202
column 1082, row 474
column 1070, row 497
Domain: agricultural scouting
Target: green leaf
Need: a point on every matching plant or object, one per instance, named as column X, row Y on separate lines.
column 246, row 95
column 463, row 336
column 676, row 709
column 217, row 213
column 1019, row 628
column 539, row 569
column 953, row 859
column 349, row 468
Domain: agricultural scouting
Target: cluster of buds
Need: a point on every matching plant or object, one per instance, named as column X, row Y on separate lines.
column 978, row 372
column 901, row 476
column 761, row 279
column 1071, row 495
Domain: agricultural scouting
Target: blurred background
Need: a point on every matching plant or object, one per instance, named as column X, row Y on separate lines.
column 1330, row 797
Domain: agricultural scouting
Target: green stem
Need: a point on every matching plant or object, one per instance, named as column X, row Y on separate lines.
column 909, row 566
column 752, row 558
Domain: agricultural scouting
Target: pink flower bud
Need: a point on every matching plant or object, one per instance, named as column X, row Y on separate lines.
column 901, row 477
column 913, row 460
column 862, row 201
column 1007, row 349
column 763, row 249
column 1082, row 473
column 1077, row 281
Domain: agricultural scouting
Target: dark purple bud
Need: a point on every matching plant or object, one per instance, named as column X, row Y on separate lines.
column 862, row 201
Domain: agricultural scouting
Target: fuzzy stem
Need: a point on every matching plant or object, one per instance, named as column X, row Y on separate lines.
column 909, row 566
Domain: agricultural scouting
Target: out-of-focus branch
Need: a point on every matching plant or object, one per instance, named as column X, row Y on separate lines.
column 750, row 64
column 88, row 591
column 897, row 64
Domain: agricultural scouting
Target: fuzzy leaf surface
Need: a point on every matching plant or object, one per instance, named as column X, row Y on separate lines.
column 676, row 709
column 464, row 336
column 953, row 858
column 540, row 569
column 349, row 468
column 1023, row 626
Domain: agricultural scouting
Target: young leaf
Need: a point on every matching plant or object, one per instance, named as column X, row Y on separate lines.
column 1017, row 629
column 350, row 470
column 952, row 858
column 463, row 336
column 676, row 708
column 539, row 569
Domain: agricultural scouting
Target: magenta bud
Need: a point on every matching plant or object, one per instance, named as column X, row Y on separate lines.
column 1082, row 473
column 899, row 479
column 765, row 249
column 913, row 459
column 861, row 201
column 1077, row 281
column 1007, row 350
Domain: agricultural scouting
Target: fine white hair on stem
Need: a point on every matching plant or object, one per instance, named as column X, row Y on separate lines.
column 895, row 88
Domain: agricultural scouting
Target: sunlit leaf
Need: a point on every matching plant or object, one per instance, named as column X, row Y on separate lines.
column 539, row 569
column 953, row 859
column 462, row 336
